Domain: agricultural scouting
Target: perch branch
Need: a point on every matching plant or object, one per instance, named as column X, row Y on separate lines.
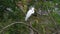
column 16, row 23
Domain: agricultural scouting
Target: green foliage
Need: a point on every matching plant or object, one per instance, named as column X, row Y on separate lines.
column 44, row 24
column 56, row 17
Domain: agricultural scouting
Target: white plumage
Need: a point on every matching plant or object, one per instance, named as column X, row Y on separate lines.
column 29, row 13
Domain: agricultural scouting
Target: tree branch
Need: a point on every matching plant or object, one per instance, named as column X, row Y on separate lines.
column 16, row 23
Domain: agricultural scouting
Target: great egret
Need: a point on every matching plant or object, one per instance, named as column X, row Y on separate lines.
column 29, row 13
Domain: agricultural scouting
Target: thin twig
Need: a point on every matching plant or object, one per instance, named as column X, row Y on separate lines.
column 52, row 19
column 49, row 14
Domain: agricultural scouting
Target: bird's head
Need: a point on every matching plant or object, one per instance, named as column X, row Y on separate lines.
column 32, row 9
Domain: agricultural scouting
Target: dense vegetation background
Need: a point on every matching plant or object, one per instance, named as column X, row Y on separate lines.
column 13, row 12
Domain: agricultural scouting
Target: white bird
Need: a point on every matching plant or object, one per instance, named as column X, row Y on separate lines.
column 29, row 13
